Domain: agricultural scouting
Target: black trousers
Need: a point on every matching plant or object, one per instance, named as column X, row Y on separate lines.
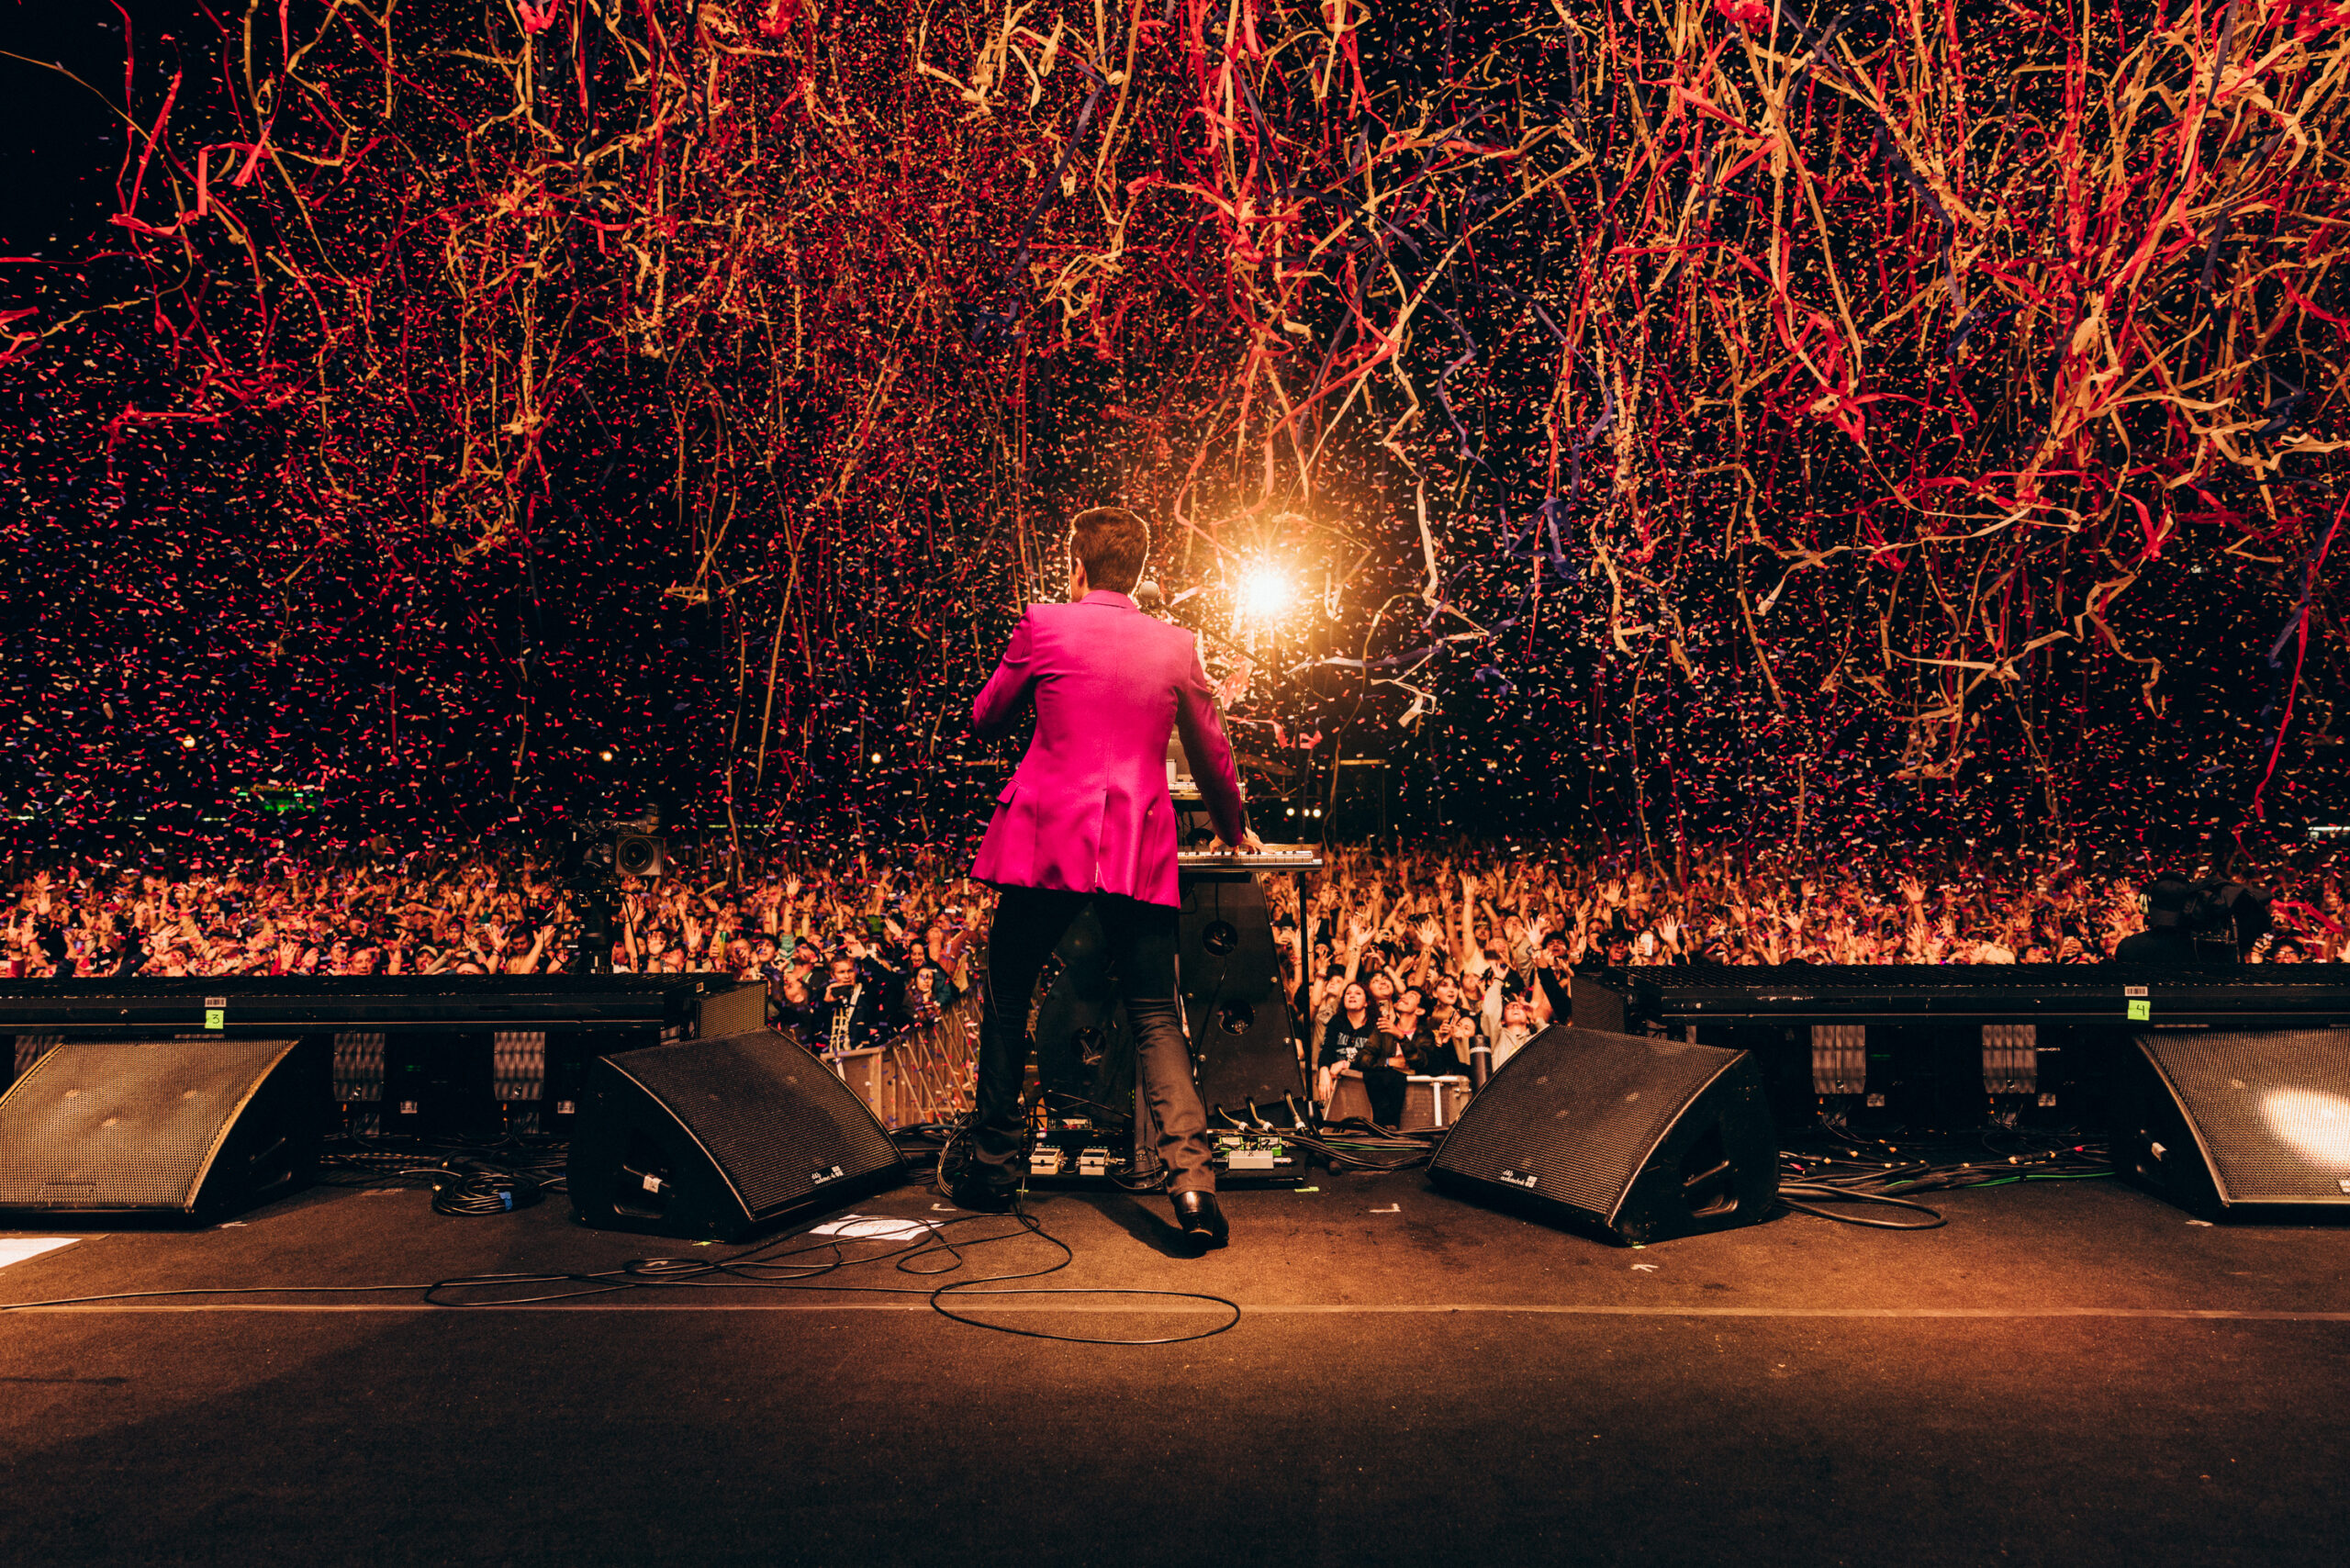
column 1029, row 924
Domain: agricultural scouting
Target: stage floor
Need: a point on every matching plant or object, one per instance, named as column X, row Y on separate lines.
column 2069, row 1373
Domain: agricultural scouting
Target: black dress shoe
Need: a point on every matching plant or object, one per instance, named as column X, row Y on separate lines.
column 975, row 1188
column 1200, row 1219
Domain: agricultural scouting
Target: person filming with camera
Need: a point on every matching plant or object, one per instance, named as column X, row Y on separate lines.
column 2194, row 924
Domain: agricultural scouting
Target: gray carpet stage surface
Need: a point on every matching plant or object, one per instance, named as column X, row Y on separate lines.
column 2068, row 1373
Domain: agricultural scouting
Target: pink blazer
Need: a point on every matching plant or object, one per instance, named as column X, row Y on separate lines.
column 1087, row 810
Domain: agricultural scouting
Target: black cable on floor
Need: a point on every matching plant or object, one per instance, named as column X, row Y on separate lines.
column 1837, row 1194
column 759, row 1267
column 962, row 1288
column 476, row 1187
column 954, row 1154
column 466, row 1177
column 1359, row 1144
column 1891, row 1170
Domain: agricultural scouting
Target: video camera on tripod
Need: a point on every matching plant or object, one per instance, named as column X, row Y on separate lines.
column 595, row 858
column 2200, row 923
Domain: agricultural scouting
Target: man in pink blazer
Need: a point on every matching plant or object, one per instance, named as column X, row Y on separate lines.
column 1087, row 817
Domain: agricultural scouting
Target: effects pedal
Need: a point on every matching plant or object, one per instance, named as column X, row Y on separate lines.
column 1071, row 1148
column 1265, row 1156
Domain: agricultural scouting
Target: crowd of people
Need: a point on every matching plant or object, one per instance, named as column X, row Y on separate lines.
column 1405, row 960
column 1399, row 957
column 852, row 949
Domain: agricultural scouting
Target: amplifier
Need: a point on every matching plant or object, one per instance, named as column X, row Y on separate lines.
column 455, row 1055
column 1949, row 1044
column 2255, row 995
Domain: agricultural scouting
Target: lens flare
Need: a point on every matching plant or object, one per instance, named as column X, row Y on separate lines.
column 2313, row 1122
column 1265, row 594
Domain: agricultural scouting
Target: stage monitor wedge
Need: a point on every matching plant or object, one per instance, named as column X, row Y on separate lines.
column 1636, row 1139
column 722, row 1140
column 183, row 1128
column 2254, row 1124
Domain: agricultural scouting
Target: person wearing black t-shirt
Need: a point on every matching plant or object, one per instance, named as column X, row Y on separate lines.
column 1353, row 1043
column 1431, row 1054
column 1409, row 1041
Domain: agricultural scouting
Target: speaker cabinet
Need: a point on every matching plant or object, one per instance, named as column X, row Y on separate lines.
column 721, row 1139
column 192, row 1128
column 2253, row 1123
column 1229, row 973
column 1084, row 1045
column 1242, row 1053
column 1638, row 1139
column 1225, row 939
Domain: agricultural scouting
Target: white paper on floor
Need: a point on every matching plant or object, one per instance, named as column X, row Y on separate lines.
column 17, row 1248
column 873, row 1227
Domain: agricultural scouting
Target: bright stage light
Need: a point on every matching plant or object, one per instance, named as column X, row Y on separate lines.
column 1265, row 594
column 2313, row 1122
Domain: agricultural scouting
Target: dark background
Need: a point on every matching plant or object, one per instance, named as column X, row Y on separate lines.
column 184, row 616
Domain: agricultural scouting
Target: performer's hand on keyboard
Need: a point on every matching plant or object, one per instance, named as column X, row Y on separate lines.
column 1249, row 844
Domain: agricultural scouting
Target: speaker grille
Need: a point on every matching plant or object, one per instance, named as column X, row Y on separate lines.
column 771, row 1116
column 2272, row 1108
column 1578, row 1111
column 124, row 1123
column 30, row 1047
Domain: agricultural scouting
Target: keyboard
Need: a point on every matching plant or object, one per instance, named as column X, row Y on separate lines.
column 1275, row 857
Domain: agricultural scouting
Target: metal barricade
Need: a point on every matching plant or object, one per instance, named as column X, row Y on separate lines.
column 923, row 1074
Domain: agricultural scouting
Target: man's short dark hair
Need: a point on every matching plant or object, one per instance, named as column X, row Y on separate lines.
column 1113, row 543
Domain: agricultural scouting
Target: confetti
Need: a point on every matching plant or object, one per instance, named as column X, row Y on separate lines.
column 1859, row 426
